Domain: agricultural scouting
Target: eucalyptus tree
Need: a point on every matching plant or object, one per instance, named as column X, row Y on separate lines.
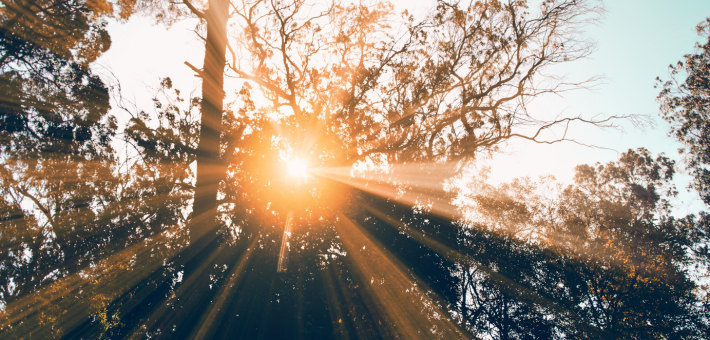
column 605, row 256
column 327, row 83
column 684, row 105
column 376, row 87
column 333, row 85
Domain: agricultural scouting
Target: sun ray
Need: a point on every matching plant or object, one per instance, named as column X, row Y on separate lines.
column 504, row 283
column 283, row 253
column 424, row 185
column 108, row 280
column 413, row 184
column 335, row 307
column 23, row 308
column 196, row 277
column 357, row 306
column 217, row 309
column 406, row 304
column 419, row 185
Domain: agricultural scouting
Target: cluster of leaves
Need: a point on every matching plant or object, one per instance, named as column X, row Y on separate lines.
column 601, row 258
column 96, row 220
column 68, row 213
column 606, row 258
column 684, row 104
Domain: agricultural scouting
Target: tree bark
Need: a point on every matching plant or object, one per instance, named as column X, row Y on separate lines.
column 209, row 165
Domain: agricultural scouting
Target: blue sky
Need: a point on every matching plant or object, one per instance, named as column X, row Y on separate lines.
column 636, row 41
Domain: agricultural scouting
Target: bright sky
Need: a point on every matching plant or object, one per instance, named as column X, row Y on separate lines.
column 637, row 40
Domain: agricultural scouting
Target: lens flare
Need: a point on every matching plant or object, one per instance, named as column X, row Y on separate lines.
column 297, row 168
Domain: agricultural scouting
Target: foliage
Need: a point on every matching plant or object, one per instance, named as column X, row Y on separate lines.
column 34, row 35
column 63, row 203
column 606, row 255
column 85, row 232
column 339, row 84
column 447, row 87
column 684, row 104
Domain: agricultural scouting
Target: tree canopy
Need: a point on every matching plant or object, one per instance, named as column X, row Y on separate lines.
column 684, row 104
column 171, row 221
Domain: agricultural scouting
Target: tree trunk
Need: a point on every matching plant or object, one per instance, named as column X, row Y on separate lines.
column 209, row 165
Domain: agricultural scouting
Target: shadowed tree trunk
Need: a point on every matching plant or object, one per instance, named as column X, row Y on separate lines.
column 209, row 165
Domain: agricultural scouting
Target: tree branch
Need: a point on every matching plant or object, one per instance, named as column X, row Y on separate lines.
column 194, row 10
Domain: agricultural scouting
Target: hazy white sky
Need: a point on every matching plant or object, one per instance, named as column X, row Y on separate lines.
column 637, row 40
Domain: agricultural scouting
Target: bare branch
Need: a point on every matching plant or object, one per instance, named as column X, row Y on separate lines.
column 194, row 10
column 198, row 71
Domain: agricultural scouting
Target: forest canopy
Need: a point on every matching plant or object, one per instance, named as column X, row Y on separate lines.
column 339, row 191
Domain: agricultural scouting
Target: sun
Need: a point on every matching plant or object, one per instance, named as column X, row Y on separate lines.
column 297, row 168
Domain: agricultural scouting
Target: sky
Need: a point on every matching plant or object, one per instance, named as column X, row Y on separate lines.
column 636, row 41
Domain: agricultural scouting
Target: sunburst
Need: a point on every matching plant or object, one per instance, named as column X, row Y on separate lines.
column 297, row 168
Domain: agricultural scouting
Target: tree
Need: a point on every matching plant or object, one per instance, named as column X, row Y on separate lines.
column 604, row 252
column 33, row 34
column 448, row 87
column 55, row 153
column 103, row 227
column 57, row 166
column 684, row 104
column 332, row 84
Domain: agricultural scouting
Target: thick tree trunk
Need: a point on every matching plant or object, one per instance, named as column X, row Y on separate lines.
column 209, row 165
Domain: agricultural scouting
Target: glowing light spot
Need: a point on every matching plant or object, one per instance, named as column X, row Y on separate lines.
column 297, row 168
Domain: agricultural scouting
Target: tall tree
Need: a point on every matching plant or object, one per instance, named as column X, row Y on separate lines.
column 604, row 253
column 447, row 87
column 337, row 84
column 329, row 84
column 56, row 161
